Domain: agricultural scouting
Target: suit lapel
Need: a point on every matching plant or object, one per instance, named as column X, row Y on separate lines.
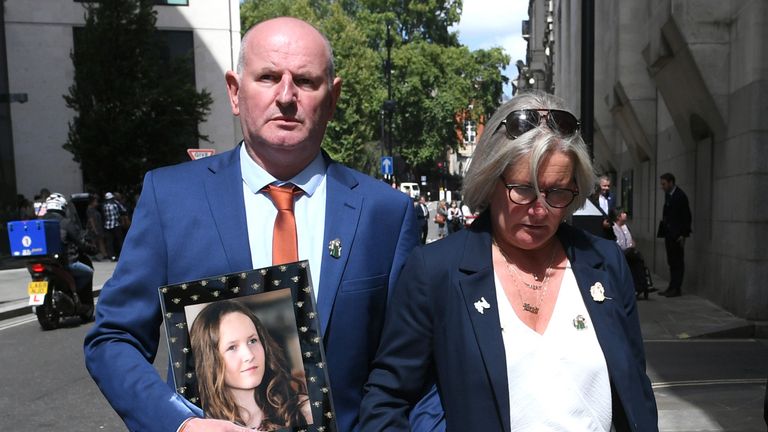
column 478, row 288
column 342, row 213
column 224, row 191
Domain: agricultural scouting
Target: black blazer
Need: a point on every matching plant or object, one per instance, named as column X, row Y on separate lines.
column 433, row 332
column 676, row 218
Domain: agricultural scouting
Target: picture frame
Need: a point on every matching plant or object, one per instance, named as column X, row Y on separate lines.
column 282, row 299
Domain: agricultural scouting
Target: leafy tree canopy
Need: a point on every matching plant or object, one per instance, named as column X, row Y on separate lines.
column 135, row 107
column 433, row 77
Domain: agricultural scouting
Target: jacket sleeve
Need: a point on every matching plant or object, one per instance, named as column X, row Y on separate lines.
column 121, row 346
column 401, row 373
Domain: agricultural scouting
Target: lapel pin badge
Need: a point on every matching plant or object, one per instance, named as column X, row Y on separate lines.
column 334, row 248
column 580, row 322
column 598, row 292
column 481, row 305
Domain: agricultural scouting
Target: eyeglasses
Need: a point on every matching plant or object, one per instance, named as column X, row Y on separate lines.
column 525, row 194
column 519, row 122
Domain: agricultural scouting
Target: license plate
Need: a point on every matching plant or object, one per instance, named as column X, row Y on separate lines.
column 39, row 287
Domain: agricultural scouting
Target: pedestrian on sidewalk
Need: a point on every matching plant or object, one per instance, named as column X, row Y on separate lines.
column 455, row 218
column 441, row 219
column 217, row 216
column 675, row 227
column 422, row 214
column 525, row 322
column 113, row 232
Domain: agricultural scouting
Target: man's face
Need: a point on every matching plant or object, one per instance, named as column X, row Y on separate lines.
column 666, row 186
column 605, row 186
column 283, row 96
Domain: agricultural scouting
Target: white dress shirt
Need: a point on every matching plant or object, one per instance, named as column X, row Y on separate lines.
column 309, row 210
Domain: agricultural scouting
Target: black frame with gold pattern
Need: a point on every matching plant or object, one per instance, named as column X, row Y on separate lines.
column 174, row 300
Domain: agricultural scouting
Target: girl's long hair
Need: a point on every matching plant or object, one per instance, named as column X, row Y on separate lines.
column 280, row 394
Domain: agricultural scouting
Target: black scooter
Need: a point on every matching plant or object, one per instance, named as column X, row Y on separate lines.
column 52, row 292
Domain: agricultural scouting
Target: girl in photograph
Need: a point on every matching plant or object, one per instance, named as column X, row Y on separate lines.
column 242, row 373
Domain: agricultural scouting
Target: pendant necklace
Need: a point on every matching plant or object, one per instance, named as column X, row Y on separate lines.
column 541, row 288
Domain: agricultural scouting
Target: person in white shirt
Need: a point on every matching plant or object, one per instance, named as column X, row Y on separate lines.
column 634, row 257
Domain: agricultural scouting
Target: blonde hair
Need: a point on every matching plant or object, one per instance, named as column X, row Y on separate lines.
column 496, row 151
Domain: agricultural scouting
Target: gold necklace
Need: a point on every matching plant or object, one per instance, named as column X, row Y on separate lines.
column 516, row 275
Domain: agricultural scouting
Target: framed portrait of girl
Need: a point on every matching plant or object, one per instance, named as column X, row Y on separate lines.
column 245, row 347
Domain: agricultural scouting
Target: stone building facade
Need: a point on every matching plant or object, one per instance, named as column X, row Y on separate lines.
column 680, row 86
column 38, row 39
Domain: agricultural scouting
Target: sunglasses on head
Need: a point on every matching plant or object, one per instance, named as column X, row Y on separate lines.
column 519, row 122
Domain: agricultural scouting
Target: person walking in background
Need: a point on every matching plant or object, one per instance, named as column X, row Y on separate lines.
column 422, row 214
column 216, row 216
column 113, row 232
column 125, row 213
column 39, row 203
column 675, row 227
column 441, row 219
column 95, row 226
column 525, row 322
column 455, row 218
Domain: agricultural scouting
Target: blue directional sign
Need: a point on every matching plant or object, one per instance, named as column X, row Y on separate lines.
column 386, row 165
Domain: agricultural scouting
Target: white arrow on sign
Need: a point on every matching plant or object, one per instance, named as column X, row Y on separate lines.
column 386, row 165
column 195, row 154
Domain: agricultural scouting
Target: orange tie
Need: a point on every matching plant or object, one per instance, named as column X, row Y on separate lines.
column 284, row 242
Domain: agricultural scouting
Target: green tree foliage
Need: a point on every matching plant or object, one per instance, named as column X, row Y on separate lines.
column 135, row 108
column 434, row 78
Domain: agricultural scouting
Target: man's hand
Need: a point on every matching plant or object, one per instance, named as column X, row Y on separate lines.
column 681, row 240
column 211, row 425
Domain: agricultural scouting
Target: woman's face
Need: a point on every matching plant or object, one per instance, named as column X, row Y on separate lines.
column 242, row 351
column 531, row 226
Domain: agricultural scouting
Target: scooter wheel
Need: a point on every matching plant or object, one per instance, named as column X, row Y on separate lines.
column 47, row 315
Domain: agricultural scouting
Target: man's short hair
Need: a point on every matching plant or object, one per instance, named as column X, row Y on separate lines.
column 668, row 177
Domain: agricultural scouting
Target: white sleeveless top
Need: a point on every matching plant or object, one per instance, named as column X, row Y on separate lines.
column 558, row 381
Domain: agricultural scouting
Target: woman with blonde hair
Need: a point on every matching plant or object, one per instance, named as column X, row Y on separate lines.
column 523, row 322
column 242, row 373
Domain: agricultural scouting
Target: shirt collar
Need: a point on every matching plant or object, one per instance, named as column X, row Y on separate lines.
column 256, row 177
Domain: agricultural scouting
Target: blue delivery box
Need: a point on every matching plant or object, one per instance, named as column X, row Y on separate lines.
column 34, row 237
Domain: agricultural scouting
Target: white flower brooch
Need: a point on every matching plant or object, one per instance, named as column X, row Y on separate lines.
column 598, row 292
column 481, row 305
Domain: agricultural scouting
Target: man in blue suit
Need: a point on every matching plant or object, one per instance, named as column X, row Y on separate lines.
column 211, row 217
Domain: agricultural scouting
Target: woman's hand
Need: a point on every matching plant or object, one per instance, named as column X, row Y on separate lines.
column 211, row 425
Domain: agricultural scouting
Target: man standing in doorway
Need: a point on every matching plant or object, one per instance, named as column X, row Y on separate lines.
column 675, row 226
column 605, row 202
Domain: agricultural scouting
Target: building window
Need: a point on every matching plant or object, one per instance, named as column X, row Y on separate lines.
column 470, row 132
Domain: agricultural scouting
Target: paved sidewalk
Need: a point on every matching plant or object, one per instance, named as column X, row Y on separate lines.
column 689, row 316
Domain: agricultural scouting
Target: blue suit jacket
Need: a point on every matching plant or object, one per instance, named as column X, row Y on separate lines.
column 433, row 332
column 189, row 224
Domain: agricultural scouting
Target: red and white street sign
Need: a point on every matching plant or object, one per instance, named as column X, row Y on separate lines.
column 195, row 154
